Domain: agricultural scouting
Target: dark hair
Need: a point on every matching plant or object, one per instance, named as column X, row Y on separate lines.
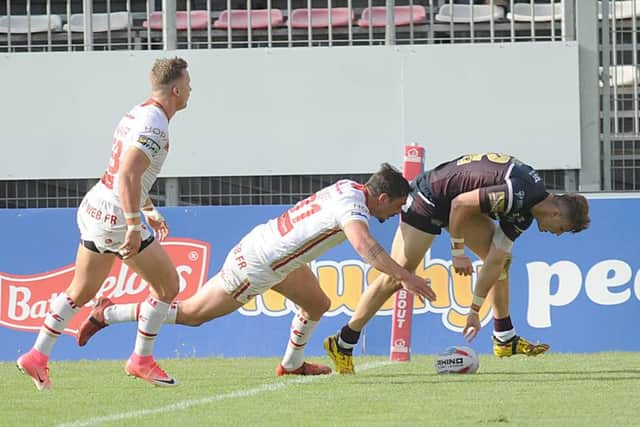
column 388, row 180
column 576, row 208
column 167, row 70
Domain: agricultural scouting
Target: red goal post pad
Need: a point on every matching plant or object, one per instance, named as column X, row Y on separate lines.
column 412, row 166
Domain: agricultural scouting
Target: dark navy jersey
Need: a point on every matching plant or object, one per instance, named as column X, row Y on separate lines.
column 508, row 189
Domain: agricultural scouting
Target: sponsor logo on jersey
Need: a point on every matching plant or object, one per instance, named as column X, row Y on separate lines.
column 534, row 175
column 149, row 144
column 155, row 131
column 497, row 201
column 25, row 299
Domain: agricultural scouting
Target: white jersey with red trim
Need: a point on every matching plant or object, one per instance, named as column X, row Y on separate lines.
column 145, row 127
column 311, row 227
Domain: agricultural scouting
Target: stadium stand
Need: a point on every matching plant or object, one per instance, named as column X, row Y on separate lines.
column 196, row 20
column 403, row 15
column 525, row 12
column 243, row 19
column 462, row 13
column 319, row 17
column 622, row 9
column 437, row 21
column 101, row 22
column 621, row 76
column 24, row 24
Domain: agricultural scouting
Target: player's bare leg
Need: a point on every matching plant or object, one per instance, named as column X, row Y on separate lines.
column 478, row 234
column 91, row 270
column 301, row 286
column 156, row 268
column 408, row 249
column 210, row 302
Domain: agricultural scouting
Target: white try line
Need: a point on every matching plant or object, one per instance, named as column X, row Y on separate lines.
column 186, row 404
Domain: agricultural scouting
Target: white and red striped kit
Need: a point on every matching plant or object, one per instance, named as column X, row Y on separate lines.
column 272, row 250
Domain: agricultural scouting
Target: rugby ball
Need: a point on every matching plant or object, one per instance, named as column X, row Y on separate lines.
column 457, row 360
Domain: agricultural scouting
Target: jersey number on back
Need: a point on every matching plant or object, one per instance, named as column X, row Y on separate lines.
column 492, row 157
column 303, row 209
column 114, row 164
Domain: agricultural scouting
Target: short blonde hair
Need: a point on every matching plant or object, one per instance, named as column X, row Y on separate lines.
column 576, row 209
column 167, row 70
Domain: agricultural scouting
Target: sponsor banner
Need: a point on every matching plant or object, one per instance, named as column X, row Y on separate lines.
column 24, row 299
column 579, row 293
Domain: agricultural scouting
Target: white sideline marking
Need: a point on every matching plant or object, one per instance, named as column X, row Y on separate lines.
column 186, row 404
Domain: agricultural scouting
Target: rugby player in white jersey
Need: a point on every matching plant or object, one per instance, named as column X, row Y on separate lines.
column 275, row 255
column 110, row 225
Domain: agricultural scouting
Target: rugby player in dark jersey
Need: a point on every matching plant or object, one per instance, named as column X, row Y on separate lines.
column 465, row 196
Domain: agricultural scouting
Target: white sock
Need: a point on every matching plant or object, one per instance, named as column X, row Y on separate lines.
column 152, row 314
column 121, row 313
column 60, row 314
column 344, row 344
column 301, row 329
column 504, row 336
column 172, row 313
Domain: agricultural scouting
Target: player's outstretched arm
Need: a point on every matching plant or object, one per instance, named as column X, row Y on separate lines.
column 463, row 206
column 496, row 262
column 371, row 251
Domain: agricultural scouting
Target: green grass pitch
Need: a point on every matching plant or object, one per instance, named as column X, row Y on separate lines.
column 551, row 390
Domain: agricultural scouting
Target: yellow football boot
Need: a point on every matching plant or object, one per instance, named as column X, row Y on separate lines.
column 517, row 345
column 341, row 358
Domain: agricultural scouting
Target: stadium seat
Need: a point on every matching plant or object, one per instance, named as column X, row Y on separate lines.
column 464, row 13
column 623, row 9
column 23, row 24
column 402, row 16
column 621, row 75
column 240, row 19
column 199, row 20
column 340, row 17
column 540, row 13
column 101, row 22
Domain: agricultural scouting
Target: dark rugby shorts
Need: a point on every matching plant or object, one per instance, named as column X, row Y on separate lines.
column 423, row 215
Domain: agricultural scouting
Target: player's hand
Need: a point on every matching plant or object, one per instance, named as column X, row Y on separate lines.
column 157, row 222
column 420, row 287
column 472, row 327
column 462, row 265
column 131, row 245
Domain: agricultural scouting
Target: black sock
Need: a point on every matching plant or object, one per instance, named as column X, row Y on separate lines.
column 348, row 338
column 503, row 324
column 503, row 329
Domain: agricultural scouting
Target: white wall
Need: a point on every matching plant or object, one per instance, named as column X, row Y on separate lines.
column 292, row 111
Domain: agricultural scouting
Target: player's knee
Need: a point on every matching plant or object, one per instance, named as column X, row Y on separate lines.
column 325, row 305
column 169, row 288
column 79, row 295
column 319, row 308
column 504, row 274
column 194, row 321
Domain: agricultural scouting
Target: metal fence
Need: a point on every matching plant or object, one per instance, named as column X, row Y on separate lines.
column 48, row 25
column 196, row 191
column 619, row 95
column 54, row 25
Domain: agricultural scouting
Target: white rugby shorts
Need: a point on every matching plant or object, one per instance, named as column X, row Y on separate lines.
column 102, row 222
column 244, row 274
